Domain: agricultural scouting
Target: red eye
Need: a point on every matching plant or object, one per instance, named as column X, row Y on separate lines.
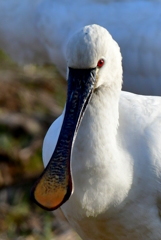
column 100, row 63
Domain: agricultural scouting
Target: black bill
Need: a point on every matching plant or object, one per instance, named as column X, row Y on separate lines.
column 55, row 186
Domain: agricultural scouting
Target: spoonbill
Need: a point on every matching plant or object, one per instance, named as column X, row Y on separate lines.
column 37, row 31
column 103, row 154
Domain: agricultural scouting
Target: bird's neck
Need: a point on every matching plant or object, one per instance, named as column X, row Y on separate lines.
column 96, row 166
column 100, row 121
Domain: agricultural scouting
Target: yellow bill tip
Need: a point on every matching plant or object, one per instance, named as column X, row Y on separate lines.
column 50, row 194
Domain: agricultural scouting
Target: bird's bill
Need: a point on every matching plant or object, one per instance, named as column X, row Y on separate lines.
column 55, row 186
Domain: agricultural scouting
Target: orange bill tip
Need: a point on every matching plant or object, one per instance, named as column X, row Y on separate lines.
column 49, row 199
column 49, row 193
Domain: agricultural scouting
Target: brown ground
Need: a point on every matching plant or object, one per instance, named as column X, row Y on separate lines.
column 30, row 99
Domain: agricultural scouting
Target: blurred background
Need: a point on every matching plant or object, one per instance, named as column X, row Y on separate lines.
column 30, row 99
column 31, row 96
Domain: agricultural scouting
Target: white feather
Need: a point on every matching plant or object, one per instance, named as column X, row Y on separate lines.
column 116, row 160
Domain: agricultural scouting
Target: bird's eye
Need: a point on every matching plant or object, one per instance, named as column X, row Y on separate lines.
column 100, row 63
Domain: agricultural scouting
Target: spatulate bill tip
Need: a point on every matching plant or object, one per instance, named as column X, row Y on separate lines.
column 49, row 196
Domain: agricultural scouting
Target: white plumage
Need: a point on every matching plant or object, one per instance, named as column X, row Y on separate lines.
column 116, row 158
column 37, row 32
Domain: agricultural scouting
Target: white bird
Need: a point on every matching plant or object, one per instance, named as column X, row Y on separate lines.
column 105, row 148
column 37, row 31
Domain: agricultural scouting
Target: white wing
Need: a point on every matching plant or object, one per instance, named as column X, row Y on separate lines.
column 51, row 138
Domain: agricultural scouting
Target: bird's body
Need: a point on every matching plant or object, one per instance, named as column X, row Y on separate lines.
column 115, row 173
column 37, row 32
column 117, row 179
